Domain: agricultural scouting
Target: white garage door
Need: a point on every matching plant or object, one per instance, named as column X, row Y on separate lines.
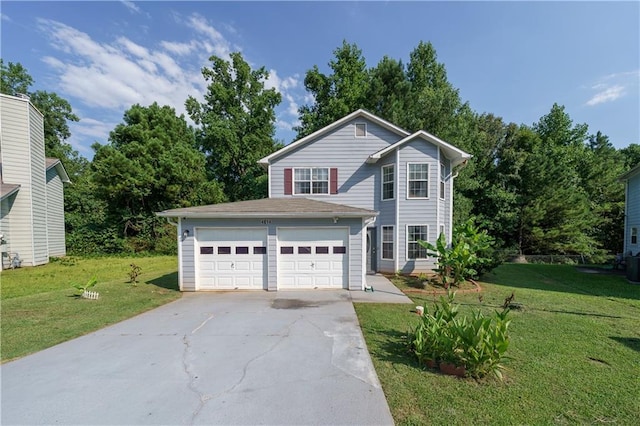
column 313, row 257
column 231, row 258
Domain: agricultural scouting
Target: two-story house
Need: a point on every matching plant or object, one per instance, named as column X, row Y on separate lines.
column 631, row 180
column 31, row 187
column 352, row 198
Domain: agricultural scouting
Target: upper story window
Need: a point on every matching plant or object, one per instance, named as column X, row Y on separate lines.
column 388, row 182
column 443, row 174
column 634, row 235
column 417, row 180
column 311, row 181
column 361, row 130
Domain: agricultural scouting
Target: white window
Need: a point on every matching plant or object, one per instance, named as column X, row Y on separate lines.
column 634, row 235
column 311, row 181
column 361, row 130
column 443, row 171
column 387, row 242
column 417, row 180
column 388, row 182
column 416, row 233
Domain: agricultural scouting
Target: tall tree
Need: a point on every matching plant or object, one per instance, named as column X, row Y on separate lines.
column 150, row 164
column 337, row 94
column 236, row 125
column 14, row 79
column 388, row 91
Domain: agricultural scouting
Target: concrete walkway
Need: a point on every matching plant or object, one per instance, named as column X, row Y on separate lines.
column 209, row 358
column 383, row 292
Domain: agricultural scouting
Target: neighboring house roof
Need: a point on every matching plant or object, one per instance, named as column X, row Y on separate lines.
column 456, row 155
column 271, row 207
column 54, row 162
column 359, row 113
column 6, row 189
column 631, row 173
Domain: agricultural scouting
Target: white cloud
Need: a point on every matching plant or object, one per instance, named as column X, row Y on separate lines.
column 609, row 94
column 131, row 6
column 4, row 17
column 613, row 86
column 180, row 49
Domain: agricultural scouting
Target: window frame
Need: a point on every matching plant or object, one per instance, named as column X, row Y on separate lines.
column 383, row 242
column 407, row 241
column 311, row 181
column 633, row 234
column 355, row 131
column 443, row 173
column 409, row 180
column 393, row 182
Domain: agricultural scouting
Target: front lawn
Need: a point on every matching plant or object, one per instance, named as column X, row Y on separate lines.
column 575, row 353
column 40, row 309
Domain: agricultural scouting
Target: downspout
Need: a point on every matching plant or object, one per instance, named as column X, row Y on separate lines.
column 178, row 225
column 396, row 228
column 454, row 174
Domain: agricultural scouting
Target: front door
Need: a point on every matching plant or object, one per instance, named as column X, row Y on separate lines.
column 371, row 251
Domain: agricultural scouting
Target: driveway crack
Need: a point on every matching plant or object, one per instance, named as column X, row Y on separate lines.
column 191, row 384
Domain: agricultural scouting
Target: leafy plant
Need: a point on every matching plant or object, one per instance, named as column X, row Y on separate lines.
column 134, row 272
column 477, row 343
column 88, row 285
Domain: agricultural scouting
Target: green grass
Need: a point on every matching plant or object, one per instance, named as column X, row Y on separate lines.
column 574, row 354
column 40, row 309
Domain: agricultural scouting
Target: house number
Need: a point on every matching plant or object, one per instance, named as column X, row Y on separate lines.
column 265, row 221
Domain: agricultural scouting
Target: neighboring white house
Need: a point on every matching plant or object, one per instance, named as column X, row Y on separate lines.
column 631, row 180
column 350, row 199
column 31, row 191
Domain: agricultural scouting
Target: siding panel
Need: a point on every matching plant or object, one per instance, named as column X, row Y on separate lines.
column 633, row 213
column 55, row 214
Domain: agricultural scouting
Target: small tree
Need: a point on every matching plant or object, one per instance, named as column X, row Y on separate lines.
column 465, row 257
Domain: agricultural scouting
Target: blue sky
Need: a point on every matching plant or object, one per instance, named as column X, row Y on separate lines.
column 510, row 59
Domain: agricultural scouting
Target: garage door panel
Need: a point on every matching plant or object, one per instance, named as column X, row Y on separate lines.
column 308, row 258
column 232, row 258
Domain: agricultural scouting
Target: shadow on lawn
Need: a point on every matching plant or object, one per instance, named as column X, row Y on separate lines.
column 632, row 342
column 391, row 346
column 564, row 279
column 168, row 281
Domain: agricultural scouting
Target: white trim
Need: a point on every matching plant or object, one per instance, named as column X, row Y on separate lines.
column 394, row 242
column 449, row 216
column 363, row 242
column 409, row 164
column 456, row 155
column 269, row 180
column 293, row 181
column 395, row 179
column 626, row 217
column 359, row 113
column 180, row 269
column 442, row 182
column 406, row 242
column 438, row 215
column 355, row 131
column 396, row 261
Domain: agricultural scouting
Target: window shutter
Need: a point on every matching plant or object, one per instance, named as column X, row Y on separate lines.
column 333, row 181
column 288, row 181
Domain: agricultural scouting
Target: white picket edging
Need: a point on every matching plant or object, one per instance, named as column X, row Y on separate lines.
column 91, row 295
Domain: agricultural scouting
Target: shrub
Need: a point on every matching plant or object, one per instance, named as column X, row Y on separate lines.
column 477, row 343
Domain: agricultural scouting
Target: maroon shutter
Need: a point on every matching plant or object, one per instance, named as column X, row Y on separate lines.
column 288, row 181
column 333, row 181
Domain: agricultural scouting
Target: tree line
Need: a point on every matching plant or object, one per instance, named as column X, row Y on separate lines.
column 546, row 188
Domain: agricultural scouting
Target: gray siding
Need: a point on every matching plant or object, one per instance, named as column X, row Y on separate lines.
column 38, row 188
column 417, row 211
column 633, row 214
column 357, row 180
column 55, row 214
column 16, row 168
column 188, row 277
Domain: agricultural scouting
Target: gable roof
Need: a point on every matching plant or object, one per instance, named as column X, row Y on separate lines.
column 631, row 173
column 270, row 208
column 359, row 113
column 54, row 162
column 456, row 155
column 7, row 189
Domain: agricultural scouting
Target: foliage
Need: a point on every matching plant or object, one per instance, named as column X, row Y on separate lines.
column 88, row 285
column 151, row 164
column 477, row 343
column 465, row 257
column 236, row 125
column 134, row 273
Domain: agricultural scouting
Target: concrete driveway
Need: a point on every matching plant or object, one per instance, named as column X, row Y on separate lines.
column 208, row 358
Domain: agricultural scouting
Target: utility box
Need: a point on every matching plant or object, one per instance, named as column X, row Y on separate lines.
column 633, row 268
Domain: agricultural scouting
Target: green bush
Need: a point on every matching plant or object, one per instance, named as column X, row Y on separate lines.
column 478, row 343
